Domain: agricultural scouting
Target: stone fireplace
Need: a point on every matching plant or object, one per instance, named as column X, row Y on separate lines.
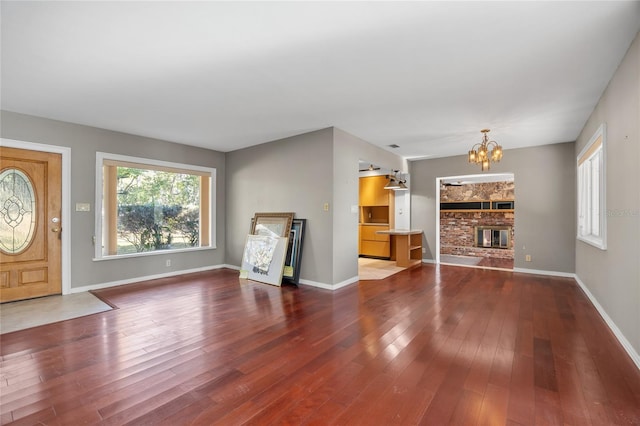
column 477, row 220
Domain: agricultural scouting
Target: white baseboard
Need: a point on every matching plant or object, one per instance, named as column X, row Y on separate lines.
column 312, row 283
column 330, row 286
column 635, row 357
column 146, row 278
column 234, row 267
column 542, row 272
column 347, row 282
column 521, row 270
column 316, row 284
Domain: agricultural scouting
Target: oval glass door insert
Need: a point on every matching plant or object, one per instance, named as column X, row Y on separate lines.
column 17, row 211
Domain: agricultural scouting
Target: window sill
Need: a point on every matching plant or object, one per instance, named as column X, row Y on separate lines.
column 595, row 242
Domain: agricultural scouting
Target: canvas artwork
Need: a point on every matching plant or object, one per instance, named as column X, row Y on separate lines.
column 263, row 258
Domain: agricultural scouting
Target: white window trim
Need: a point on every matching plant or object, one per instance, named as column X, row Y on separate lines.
column 100, row 159
column 601, row 240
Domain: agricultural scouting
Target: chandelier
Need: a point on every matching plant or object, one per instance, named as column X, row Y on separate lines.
column 485, row 152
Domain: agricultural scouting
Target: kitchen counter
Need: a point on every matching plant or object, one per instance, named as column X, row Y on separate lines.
column 406, row 246
column 401, row 232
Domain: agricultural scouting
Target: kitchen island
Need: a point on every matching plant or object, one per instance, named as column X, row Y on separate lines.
column 406, row 246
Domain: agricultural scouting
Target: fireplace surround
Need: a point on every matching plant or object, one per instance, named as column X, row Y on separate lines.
column 493, row 236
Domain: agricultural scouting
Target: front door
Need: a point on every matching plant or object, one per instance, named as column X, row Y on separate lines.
column 30, row 224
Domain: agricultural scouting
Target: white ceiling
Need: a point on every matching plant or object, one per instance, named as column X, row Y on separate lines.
column 426, row 76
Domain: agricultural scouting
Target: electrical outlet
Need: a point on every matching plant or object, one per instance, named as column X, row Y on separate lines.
column 527, row 258
column 325, row 207
column 167, row 263
column 424, row 250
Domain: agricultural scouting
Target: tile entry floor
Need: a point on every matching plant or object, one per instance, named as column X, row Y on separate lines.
column 376, row 269
column 23, row 314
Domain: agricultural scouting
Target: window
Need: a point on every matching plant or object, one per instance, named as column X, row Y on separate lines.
column 591, row 191
column 149, row 206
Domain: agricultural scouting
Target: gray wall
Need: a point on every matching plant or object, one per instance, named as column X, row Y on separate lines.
column 301, row 174
column 298, row 174
column 84, row 143
column 545, row 186
column 613, row 275
column 293, row 174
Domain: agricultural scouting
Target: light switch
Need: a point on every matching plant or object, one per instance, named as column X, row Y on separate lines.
column 83, row 207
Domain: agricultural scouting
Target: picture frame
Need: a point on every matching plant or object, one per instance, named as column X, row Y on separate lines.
column 263, row 259
column 293, row 259
column 272, row 224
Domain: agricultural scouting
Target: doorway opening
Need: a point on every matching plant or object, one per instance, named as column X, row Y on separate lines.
column 476, row 220
column 381, row 209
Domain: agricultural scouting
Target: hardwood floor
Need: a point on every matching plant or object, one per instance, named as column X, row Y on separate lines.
column 429, row 345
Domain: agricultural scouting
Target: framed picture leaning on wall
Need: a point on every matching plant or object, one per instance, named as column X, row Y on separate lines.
column 293, row 258
column 272, row 224
column 263, row 259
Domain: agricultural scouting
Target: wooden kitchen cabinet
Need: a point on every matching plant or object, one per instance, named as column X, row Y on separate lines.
column 372, row 243
column 375, row 248
column 375, row 215
column 369, row 232
column 372, row 192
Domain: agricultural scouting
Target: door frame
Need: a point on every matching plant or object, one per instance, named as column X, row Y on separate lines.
column 439, row 180
column 66, row 206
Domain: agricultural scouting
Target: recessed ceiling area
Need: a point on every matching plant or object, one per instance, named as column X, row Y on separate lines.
column 426, row 76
